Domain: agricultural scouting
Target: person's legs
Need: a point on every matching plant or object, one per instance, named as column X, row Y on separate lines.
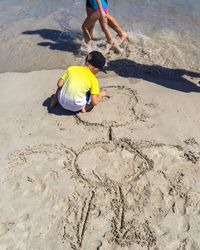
column 88, row 107
column 111, row 45
column 105, row 29
column 90, row 11
column 83, row 110
column 112, row 22
column 88, row 25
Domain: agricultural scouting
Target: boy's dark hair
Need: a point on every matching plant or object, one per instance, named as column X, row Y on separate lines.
column 96, row 59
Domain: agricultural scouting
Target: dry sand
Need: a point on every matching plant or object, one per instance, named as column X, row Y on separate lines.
column 124, row 176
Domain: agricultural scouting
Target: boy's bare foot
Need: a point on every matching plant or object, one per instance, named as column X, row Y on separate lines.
column 83, row 110
column 54, row 101
column 87, row 108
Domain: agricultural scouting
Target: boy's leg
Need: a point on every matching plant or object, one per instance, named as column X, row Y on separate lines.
column 54, row 99
column 88, row 107
column 83, row 110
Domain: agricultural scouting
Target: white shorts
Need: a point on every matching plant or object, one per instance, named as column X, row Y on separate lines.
column 70, row 104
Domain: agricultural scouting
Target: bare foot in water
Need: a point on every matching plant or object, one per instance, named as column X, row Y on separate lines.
column 113, row 47
column 123, row 37
column 86, row 48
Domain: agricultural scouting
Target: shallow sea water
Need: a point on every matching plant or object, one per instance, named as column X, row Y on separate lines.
column 36, row 35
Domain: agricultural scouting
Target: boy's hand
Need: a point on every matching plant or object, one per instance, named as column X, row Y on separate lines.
column 95, row 99
column 103, row 93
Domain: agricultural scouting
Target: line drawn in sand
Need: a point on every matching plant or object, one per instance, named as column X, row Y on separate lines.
column 111, row 167
column 76, row 219
column 114, row 161
column 38, row 181
column 20, row 157
column 116, row 109
column 117, row 185
column 174, row 200
column 128, row 229
column 89, row 221
column 43, row 163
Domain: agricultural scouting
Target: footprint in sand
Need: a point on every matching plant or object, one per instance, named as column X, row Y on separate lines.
column 180, row 208
column 193, row 202
column 5, row 227
column 187, row 244
column 117, row 247
column 95, row 245
column 157, row 208
column 36, row 168
column 183, row 225
column 32, row 186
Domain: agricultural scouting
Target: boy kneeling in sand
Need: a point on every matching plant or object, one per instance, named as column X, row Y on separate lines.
column 78, row 83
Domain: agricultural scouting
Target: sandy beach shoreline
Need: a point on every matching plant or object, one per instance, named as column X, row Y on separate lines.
column 125, row 176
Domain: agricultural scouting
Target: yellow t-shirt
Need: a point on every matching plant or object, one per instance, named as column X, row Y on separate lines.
column 78, row 80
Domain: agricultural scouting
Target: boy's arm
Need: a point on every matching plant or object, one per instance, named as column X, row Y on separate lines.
column 54, row 99
column 95, row 99
column 60, row 83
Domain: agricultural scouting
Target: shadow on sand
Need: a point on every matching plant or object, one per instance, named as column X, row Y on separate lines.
column 166, row 77
column 57, row 40
column 58, row 110
column 70, row 41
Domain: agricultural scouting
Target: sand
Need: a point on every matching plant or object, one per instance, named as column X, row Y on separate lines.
column 124, row 176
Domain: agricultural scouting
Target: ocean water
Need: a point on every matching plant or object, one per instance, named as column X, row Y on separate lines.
column 41, row 34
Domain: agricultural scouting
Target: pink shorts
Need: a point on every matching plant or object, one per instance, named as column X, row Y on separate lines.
column 105, row 10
